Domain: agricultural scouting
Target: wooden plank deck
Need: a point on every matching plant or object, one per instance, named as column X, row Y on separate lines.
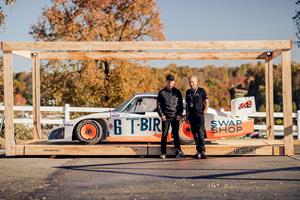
column 216, row 148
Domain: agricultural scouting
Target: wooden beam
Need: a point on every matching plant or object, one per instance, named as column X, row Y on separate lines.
column 269, row 98
column 269, row 55
column 24, row 54
column 249, row 147
column 287, row 103
column 8, row 103
column 152, row 55
column 146, row 45
column 276, row 53
column 36, row 99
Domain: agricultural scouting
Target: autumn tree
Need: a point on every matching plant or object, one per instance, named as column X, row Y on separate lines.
column 133, row 78
column 22, row 86
column 2, row 13
column 94, row 20
column 1, row 81
column 296, row 19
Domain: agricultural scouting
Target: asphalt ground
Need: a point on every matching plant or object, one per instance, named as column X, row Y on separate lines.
column 253, row 177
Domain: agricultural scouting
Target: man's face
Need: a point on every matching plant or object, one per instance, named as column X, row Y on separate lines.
column 170, row 84
column 193, row 83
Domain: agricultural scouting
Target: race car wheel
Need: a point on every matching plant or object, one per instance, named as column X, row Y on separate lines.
column 89, row 131
column 185, row 133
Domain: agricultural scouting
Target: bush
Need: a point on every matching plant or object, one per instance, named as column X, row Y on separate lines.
column 22, row 132
column 279, row 122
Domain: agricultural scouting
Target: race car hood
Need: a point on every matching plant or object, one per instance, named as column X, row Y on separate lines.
column 100, row 115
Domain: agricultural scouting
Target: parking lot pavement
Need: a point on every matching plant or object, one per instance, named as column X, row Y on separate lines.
column 150, row 178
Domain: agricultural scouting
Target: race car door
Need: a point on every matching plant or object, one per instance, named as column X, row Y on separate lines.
column 148, row 121
column 139, row 121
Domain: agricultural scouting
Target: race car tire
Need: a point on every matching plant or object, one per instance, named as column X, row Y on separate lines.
column 89, row 131
column 185, row 133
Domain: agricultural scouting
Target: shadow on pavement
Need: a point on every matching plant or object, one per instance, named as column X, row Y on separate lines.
column 104, row 168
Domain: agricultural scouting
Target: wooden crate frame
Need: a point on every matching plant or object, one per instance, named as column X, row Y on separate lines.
column 265, row 50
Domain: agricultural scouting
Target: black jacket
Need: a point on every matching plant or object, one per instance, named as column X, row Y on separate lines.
column 169, row 102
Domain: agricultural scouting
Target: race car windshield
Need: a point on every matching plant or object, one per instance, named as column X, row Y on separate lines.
column 122, row 106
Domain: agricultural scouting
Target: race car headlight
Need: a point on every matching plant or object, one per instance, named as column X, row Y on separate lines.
column 57, row 134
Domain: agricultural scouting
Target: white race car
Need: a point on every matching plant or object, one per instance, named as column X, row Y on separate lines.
column 136, row 120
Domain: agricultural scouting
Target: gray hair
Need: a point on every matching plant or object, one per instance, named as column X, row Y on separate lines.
column 194, row 77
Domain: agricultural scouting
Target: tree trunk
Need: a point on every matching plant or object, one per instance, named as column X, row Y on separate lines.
column 106, row 80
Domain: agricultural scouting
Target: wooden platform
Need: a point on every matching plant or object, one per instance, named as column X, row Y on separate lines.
column 217, row 148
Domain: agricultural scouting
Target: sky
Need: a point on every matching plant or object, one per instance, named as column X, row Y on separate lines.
column 185, row 20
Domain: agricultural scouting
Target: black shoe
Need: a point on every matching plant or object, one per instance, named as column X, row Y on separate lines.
column 200, row 156
column 203, row 155
column 197, row 156
column 179, row 154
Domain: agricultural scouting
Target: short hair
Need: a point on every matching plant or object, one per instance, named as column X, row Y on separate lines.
column 170, row 77
column 193, row 77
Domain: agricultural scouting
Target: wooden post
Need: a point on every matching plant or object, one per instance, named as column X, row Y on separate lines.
column 67, row 112
column 8, row 103
column 269, row 98
column 287, row 103
column 36, row 100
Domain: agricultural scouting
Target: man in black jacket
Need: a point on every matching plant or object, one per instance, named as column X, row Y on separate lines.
column 170, row 109
column 196, row 106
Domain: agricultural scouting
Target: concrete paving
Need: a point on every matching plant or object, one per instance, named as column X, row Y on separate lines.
column 150, row 178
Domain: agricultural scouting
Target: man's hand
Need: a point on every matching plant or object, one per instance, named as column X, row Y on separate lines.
column 163, row 118
column 206, row 105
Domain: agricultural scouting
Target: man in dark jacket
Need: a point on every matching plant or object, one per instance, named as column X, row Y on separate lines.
column 170, row 109
column 196, row 106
